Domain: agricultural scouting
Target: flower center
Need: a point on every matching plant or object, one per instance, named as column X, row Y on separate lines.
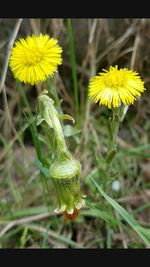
column 32, row 57
column 114, row 79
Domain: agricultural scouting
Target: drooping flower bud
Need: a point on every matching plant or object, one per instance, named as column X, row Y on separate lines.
column 65, row 172
column 65, row 169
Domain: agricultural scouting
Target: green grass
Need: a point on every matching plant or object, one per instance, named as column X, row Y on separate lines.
column 73, row 65
column 142, row 232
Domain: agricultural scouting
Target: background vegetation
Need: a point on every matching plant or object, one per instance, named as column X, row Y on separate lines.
column 27, row 200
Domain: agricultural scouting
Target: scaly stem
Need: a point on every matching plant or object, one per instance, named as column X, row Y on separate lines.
column 113, row 127
column 49, row 114
column 61, row 143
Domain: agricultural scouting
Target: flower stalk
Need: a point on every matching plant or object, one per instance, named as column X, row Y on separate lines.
column 61, row 143
column 113, row 127
column 65, row 169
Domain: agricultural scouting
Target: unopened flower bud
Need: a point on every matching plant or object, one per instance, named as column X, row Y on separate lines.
column 65, row 172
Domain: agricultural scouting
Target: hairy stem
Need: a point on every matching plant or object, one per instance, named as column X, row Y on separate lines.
column 113, row 127
column 61, row 143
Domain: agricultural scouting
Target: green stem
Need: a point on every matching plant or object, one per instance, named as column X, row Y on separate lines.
column 61, row 143
column 51, row 87
column 32, row 124
column 73, row 64
column 49, row 114
column 113, row 127
column 35, row 137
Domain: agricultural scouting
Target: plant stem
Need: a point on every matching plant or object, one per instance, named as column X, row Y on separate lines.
column 32, row 123
column 113, row 127
column 73, row 65
column 61, row 143
column 37, row 144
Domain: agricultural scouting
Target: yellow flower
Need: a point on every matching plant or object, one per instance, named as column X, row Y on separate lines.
column 35, row 58
column 116, row 86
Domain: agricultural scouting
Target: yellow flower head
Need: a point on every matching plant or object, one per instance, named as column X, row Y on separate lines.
column 35, row 58
column 116, row 86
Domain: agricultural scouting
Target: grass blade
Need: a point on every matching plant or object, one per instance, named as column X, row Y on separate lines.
column 73, row 63
column 142, row 232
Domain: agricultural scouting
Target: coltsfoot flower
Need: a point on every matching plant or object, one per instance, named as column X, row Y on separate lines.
column 116, row 86
column 35, row 58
